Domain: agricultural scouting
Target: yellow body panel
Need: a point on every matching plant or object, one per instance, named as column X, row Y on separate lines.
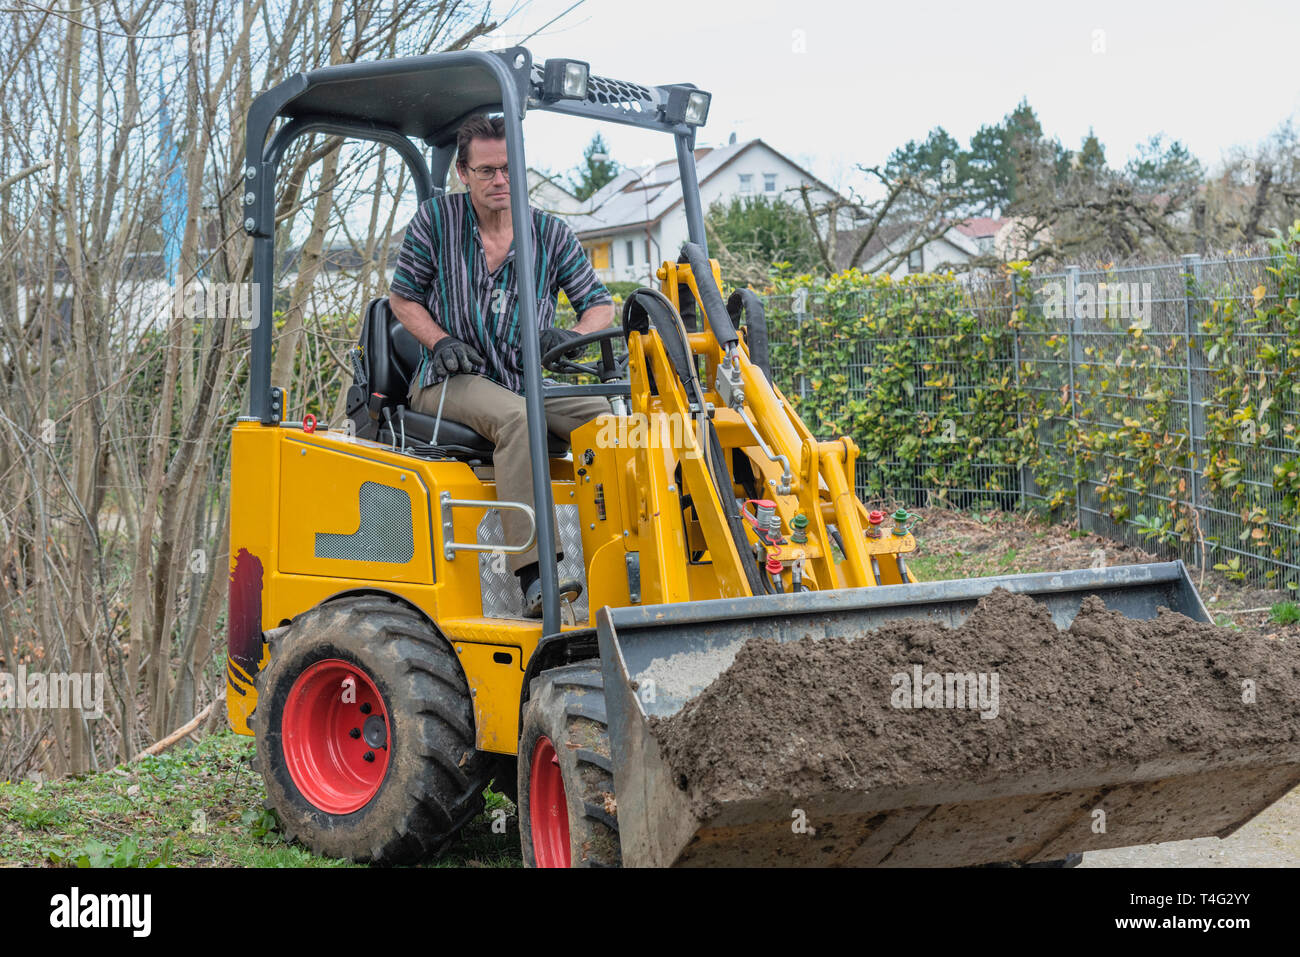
column 496, row 675
column 305, row 507
column 327, row 480
column 319, row 476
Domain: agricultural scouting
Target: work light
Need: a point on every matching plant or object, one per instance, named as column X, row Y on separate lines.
column 686, row 105
column 565, row 80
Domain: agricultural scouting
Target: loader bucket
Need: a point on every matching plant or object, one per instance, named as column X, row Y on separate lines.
column 1038, row 817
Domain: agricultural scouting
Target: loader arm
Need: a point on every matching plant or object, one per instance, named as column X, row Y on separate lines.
column 809, row 483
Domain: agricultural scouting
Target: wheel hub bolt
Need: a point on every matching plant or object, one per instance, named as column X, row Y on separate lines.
column 365, row 709
column 354, row 733
column 369, row 755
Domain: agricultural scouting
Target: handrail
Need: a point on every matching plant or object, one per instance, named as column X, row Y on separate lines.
column 449, row 544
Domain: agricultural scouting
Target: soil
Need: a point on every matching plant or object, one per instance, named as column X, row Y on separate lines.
column 955, row 544
column 818, row 715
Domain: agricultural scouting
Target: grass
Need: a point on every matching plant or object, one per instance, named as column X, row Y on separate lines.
column 965, row 562
column 1284, row 613
column 199, row 806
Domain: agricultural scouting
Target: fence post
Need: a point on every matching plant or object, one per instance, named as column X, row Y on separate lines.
column 1015, row 358
column 1071, row 322
column 800, row 301
column 1191, row 275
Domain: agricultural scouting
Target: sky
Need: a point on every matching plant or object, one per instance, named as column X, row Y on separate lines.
column 835, row 84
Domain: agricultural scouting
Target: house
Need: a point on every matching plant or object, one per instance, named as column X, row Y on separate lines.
column 984, row 231
column 637, row 220
column 890, row 246
column 1006, row 238
column 547, row 193
column 980, row 236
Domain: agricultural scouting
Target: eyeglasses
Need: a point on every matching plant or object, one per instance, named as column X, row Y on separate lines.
column 486, row 174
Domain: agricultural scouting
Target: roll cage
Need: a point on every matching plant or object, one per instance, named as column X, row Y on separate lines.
column 424, row 100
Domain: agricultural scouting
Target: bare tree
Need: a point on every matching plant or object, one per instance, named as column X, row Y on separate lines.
column 1255, row 192
column 115, row 407
column 910, row 214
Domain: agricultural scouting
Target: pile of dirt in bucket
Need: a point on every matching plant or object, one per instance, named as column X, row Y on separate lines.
column 1004, row 694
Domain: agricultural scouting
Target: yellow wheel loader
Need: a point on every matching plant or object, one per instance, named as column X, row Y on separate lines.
column 375, row 648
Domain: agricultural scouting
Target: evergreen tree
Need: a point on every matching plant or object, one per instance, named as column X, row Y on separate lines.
column 996, row 150
column 938, row 160
column 1159, row 167
column 593, row 173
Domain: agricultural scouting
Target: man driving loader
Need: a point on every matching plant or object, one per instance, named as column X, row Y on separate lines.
column 454, row 290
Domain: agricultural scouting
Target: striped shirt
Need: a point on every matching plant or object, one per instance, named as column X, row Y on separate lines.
column 442, row 266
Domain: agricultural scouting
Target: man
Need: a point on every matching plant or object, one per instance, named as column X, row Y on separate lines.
column 454, row 290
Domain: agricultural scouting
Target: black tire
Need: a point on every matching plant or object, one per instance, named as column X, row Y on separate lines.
column 567, row 707
column 434, row 780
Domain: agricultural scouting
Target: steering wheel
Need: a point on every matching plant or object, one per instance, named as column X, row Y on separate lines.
column 610, row 366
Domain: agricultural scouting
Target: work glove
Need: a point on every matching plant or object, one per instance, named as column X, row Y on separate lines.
column 452, row 357
column 552, row 337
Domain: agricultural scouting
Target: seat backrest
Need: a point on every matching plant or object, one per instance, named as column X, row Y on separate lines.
column 388, row 368
column 406, row 348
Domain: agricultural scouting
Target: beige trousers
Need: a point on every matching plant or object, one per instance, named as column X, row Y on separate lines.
column 499, row 416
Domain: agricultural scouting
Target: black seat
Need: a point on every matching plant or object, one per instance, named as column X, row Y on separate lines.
column 390, row 356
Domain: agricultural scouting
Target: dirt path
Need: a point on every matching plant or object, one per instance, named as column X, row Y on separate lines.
column 1270, row 840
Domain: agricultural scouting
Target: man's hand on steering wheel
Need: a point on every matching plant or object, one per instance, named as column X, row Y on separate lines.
column 554, row 337
column 557, row 353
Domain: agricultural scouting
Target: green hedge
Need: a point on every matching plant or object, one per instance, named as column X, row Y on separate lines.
column 959, row 393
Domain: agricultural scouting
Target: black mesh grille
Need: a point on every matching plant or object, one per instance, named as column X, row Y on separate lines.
column 619, row 94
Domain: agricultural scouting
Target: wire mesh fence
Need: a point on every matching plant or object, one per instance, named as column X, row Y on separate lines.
column 1157, row 403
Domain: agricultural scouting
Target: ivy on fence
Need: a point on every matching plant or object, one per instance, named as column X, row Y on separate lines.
column 964, row 393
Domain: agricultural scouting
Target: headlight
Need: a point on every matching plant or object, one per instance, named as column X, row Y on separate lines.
column 686, row 105
column 697, row 108
column 565, row 80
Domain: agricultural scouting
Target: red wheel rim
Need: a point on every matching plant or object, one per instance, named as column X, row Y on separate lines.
column 335, row 717
column 548, row 811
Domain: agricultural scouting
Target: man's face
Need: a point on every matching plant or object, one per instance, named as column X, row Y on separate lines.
column 494, row 194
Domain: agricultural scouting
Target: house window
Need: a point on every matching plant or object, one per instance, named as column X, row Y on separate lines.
column 630, row 259
column 769, row 182
column 746, row 182
column 916, row 260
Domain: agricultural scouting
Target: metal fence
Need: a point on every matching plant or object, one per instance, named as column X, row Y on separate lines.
column 1145, row 383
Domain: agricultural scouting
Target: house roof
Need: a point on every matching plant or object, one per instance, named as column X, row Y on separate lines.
column 637, row 199
column 980, row 227
column 889, row 238
column 537, row 177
